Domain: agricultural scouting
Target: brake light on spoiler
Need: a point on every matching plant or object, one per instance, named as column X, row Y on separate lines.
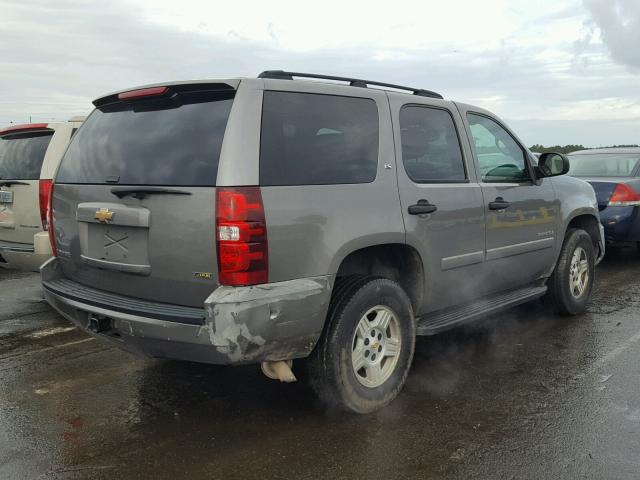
column 241, row 236
column 28, row 127
column 143, row 93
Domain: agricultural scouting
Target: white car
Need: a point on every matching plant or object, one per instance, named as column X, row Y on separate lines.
column 29, row 157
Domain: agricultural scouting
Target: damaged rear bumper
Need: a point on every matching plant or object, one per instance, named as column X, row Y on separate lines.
column 276, row 321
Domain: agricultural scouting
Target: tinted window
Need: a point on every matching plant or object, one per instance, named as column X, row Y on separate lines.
column 21, row 155
column 500, row 157
column 312, row 139
column 603, row 165
column 430, row 146
column 164, row 142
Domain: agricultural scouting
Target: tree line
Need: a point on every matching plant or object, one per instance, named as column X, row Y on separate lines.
column 568, row 148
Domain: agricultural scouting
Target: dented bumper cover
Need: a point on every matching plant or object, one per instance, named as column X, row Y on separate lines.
column 276, row 321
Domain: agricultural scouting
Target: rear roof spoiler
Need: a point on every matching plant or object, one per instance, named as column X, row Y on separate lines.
column 27, row 127
column 216, row 84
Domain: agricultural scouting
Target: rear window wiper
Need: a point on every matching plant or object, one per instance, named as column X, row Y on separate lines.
column 142, row 192
column 8, row 183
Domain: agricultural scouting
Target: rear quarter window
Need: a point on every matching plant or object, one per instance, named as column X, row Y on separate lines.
column 159, row 142
column 311, row 139
column 21, row 155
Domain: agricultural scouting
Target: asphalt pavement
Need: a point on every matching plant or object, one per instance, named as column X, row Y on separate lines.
column 525, row 394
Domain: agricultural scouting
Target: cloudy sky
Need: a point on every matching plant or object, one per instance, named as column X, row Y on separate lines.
column 557, row 71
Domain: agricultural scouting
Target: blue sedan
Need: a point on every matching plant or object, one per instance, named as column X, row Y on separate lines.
column 614, row 174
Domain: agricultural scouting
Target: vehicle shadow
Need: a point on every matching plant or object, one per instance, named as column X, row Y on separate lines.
column 440, row 362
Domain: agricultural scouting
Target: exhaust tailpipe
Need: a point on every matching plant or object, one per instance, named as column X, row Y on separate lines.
column 280, row 370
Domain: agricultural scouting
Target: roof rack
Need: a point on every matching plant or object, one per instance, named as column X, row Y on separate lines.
column 354, row 82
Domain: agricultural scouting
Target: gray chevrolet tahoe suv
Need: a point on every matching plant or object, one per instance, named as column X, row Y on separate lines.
column 275, row 218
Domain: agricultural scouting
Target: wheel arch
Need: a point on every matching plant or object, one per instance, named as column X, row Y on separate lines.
column 396, row 261
column 585, row 220
column 588, row 222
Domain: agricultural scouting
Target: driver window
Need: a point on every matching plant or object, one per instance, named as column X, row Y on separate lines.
column 500, row 158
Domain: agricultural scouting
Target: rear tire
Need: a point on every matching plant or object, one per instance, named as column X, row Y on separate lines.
column 572, row 280
column 362, row 359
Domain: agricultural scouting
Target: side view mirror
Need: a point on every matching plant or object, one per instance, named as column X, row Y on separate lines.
column 551, row 164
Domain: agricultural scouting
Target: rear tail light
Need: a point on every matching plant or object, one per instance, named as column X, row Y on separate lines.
column 624, row 195
column 45, row 194
column 241, row 236
column 46, row 210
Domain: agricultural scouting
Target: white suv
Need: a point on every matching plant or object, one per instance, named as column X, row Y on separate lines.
column 29, row 157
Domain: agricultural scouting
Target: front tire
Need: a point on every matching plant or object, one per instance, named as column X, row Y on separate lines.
column 571, row 283
column 362, row 360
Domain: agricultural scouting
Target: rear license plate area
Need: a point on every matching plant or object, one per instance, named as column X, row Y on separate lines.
column 115, row 247
column 7, row 218
column 6, row 197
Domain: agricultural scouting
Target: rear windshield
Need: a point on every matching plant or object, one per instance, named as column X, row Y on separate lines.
column 173, row 141
column 603, row 165
column 310, row 139
column 21, row 155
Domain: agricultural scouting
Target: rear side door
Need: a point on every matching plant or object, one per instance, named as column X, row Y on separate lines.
column 134, row 196
column 21, row 157
column 440, row 197
column 521, row 212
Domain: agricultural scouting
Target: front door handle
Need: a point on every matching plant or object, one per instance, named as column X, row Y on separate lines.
column 422, row 207
column 499, row 204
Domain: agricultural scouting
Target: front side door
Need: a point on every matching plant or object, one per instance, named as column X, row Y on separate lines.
column 440, row 198
column 521, row 213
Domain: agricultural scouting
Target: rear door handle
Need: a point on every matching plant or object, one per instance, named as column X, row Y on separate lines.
column 422, row 207
column 499, row 204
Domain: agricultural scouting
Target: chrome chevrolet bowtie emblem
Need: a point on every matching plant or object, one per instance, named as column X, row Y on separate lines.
column 104, row 215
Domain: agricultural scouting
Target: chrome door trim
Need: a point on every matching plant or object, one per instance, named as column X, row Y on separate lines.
column 456, row 261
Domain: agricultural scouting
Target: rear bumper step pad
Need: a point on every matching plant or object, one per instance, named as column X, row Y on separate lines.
column 121, row 303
